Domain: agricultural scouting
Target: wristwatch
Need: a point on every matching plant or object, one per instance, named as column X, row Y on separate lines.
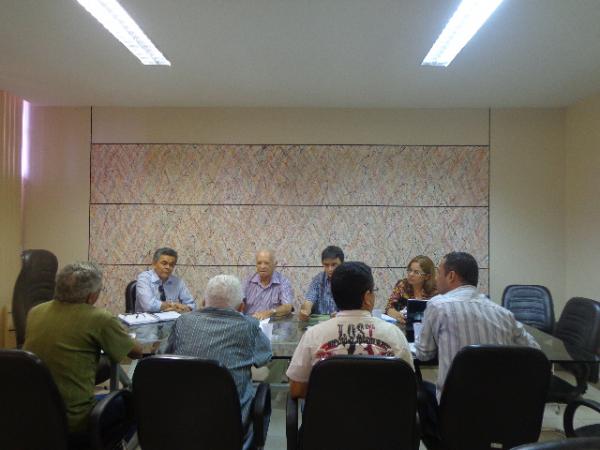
column 273, row 311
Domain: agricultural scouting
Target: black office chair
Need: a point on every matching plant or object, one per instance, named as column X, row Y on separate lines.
column 531, row 304
column 579, row 328
column 566, row 444
column 590, row 430
column 130, row 297
column 33, row 413
column 493, row 397
column 203, row 408
column 34, row 285
column 356, row 402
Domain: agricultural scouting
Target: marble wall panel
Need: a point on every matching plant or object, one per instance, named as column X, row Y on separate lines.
column 290, row 174
column 116, row 278
column 230, row 235
column 217, row 204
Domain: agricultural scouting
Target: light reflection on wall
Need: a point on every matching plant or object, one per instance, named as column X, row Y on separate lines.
column 25, row 140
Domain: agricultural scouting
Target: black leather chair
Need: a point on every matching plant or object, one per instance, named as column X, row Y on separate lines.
column 201, row 411
column 579, row 328
column 531, row 304
column 130, row 297
column 566, row 444
column 356, row 402
column 34, row 285
column 590, row 430
column 33, row 415
column 493, row 397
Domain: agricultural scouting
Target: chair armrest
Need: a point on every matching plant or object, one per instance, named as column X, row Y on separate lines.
column 570, row 414
column 111, row 420
column 103, row 370
column 261, row 409
column 291, row 423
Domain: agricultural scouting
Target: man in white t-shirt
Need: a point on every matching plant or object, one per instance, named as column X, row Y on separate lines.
column 354, row 331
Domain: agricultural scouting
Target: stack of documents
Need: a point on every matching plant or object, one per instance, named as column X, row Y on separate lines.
column 144, row 318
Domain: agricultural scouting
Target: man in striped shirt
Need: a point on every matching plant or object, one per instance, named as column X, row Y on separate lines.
column 221, row 333
column 267, row 293
column 458, row 317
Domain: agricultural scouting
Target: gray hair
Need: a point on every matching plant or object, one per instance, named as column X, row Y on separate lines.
column 164, row 251
column 76, row 281
column 223, row 291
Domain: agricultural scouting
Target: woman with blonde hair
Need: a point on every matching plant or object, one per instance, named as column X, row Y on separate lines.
column 419, row 284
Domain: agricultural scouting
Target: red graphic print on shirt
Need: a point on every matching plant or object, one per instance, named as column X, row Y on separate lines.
column 356, row 339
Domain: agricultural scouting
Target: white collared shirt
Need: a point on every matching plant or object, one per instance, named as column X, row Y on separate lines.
column 352, row 332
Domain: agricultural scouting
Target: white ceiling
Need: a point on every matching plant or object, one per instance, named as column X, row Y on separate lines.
column 301, row 53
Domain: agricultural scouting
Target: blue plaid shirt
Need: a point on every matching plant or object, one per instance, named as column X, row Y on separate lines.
column 319, row 293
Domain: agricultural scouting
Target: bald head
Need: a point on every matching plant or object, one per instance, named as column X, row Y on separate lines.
column 265, row 264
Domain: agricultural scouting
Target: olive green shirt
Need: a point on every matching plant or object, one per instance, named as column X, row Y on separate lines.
column 68, row 338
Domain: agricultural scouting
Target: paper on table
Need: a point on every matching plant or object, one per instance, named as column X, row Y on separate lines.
column 267, row 328
column 145, row 318
column 138, row 319
column 388, row 318
column 167, row 315
column 417, row 329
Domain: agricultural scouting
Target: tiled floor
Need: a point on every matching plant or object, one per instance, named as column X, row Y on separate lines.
column 551, row 428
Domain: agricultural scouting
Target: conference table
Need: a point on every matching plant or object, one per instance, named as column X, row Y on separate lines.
column 287, row 331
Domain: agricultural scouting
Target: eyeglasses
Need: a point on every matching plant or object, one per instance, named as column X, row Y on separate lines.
column 415, row 272
column 161, row 289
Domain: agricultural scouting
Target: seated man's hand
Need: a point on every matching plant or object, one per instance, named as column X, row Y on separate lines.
column 305, row 310
column 168, row 306
column 181, row 308
column 262, row 315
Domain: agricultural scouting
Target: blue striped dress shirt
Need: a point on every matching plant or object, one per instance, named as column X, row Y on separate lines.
column 464, row 317
column 227, row 336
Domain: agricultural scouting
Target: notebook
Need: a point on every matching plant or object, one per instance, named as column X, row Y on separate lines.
column 145, row 318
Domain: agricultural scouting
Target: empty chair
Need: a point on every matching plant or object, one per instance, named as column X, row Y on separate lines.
column 493, row 397
column 130, row 297
column 34, row 285
column 531, row 304
column 202, row 411
column 579, row 329
column 33, row 413
column 566, row 444
column 356, row 402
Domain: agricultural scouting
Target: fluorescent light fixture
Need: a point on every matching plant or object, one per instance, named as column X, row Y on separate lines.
column 116, row 20
column 467, row 19
column 25, row 140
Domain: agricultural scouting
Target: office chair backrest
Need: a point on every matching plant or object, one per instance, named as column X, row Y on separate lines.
column 201, row 410
column 32, row 415
column 130, row 297
column 531, row 304
column 358, row 402
column 579, row 327
column 34, row 285
column 493, row 396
